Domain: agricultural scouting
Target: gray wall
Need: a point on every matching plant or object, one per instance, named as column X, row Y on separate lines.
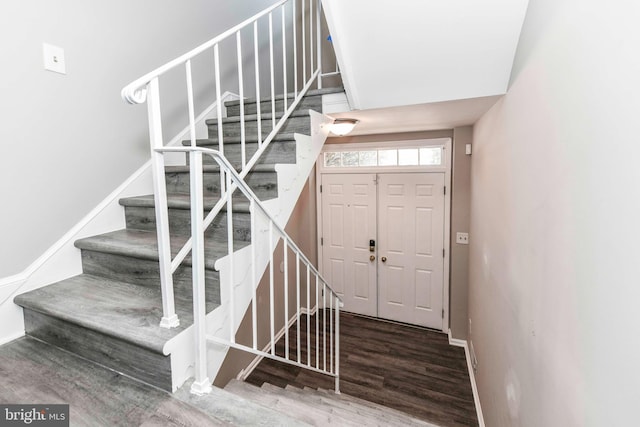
column 460, row 215
column 459, row 212
column 554, row 262
column 69, row 140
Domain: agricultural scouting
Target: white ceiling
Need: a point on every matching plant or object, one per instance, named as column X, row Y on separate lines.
column 421, row 117
column 406, row 52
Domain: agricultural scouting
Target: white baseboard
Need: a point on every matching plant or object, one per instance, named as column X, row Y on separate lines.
column 476, row 397
column 7, row 339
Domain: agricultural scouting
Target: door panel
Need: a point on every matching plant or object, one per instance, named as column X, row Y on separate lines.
column 411, row 238
column 409, row 286
column 349, row 222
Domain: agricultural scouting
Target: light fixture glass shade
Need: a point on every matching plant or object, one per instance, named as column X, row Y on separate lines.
column 341, row 127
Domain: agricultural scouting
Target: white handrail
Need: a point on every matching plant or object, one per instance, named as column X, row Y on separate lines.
column 147, row 88
column 135, row 92
column 236, row 182
column 240, row 184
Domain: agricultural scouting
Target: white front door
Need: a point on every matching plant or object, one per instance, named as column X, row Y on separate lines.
column 404, row 214
column 411, row 250
column 349, row 221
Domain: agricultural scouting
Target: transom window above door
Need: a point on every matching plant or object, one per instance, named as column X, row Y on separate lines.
column 414, row 156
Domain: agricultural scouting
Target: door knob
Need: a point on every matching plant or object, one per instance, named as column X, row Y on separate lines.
column 383, row 259
column 372, row 258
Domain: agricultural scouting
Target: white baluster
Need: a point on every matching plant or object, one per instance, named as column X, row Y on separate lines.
column 284, row 59
column 317, row 331
column 331, row 332
column 295, row 48
column 216, row 59
column 202, row 384
column 286, row 299
column 311, row 35
column 319, row 42
column 337, row 371
column 304, row 41
column 243, row 153
column 254, row 275
column 232, row 289
column 169, row 317
column 308, row 318
column 298, row 305
column 271, row 307
column 273, row 76
column 257, row 64
column 324, row 324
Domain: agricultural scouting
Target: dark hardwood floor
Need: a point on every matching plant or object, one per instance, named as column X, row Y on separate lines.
column 407, row 368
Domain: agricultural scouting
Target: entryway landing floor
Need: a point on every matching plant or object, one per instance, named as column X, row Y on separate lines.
column 403, row 367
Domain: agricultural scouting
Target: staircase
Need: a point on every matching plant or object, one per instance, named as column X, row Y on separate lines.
column 161, row 301
column 322, row 407
column 110, row 314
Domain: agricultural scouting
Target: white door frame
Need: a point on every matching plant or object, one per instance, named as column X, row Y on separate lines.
column 446, row 168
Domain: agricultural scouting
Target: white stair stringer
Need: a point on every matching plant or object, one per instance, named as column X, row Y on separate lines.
column 291, row 181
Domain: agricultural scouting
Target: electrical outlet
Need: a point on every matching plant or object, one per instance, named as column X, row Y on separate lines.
column 462, row 238
column 53, row 58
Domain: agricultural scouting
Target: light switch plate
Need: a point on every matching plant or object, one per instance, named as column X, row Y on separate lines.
column 462, row 238
column 467, row 149
column 54, row 58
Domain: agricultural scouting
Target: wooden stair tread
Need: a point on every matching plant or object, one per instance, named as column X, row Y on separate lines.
column 144, row 245
column 129, row 312
column 319, row 408
column 249, row 139
column 254, row 117
column 235, row 409
column 264, row 168
column 311, row 92
column 312, row 415
column 180, row 201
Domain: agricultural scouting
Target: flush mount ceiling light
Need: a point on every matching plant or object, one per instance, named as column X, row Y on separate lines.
column 343, row 126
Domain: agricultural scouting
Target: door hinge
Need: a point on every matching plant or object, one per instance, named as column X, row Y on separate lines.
column 443, row 313
column 443, row 253
column 445, row 190
column 321, row 188
column 322, row 241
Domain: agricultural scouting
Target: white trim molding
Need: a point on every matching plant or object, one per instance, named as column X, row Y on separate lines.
column 476, row 397
column 446, row 167
column 7, row 339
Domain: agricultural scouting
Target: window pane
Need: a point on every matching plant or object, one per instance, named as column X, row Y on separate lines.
column 431, row 156
column 368, row 158
column 350, row 158
column 408, row 157
column 332, row 160
column 387, row 157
